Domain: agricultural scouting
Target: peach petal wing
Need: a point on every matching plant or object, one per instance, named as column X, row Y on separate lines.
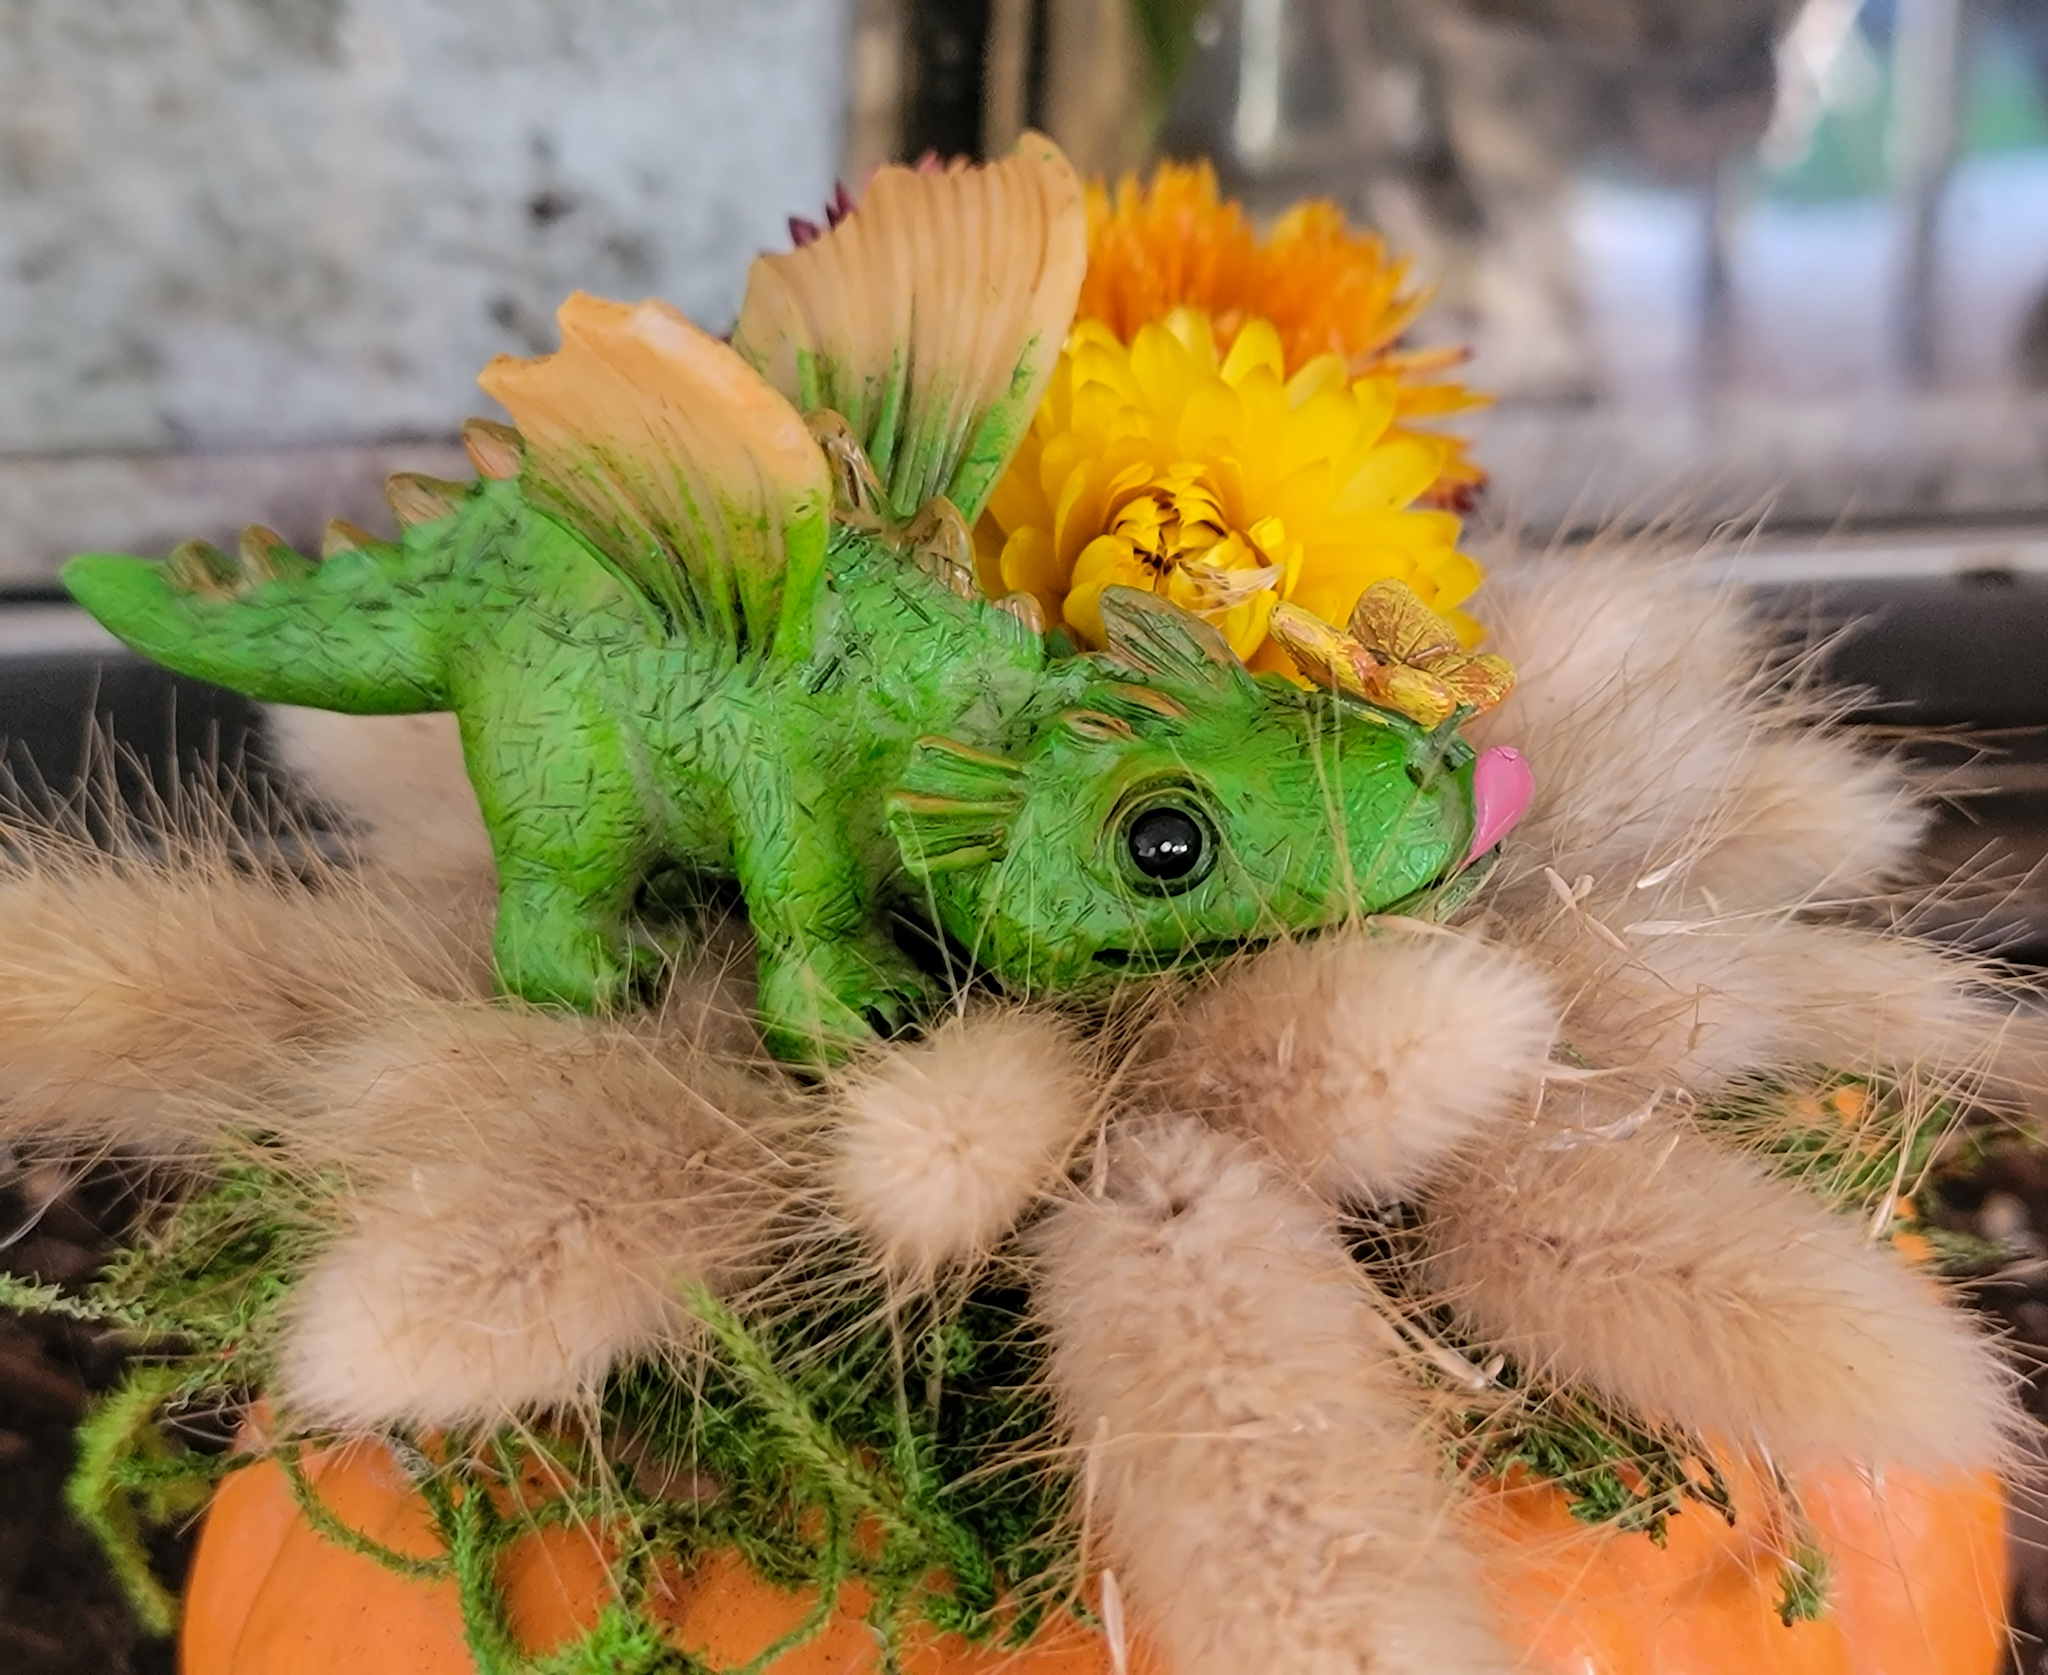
column 1415, row 693
column 676, row 460
column 1392, row 620
column 1476, row 682
column 1325, row 655
column 930, row 319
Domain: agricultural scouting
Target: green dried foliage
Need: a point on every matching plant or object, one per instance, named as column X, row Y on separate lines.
column 844, row 1442
column 130, row 1478
column 211, row 1275
column 1610, row 1468
column 28, row 1297
column 1867, row 1148
column 620, row 1643
column 827, row 1441
column 1852, row 1142
column 1803, row 1585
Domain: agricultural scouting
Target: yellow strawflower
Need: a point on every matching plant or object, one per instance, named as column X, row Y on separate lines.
column 1176, row 242
column 1221, row 482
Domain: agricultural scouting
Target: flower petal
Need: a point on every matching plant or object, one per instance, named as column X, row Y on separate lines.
column 1257, row 348
column 1029, row 564
column 1393, row 473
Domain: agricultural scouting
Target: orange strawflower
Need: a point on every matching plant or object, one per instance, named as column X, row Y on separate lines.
column 1327, row 289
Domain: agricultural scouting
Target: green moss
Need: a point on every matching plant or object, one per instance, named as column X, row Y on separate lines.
column 1803, row 1585
column 212, row 1275
column 1853, row 1142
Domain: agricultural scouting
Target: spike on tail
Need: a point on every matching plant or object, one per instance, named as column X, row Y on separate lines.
column 202, row 568
column 268, row 557
column 340, row 536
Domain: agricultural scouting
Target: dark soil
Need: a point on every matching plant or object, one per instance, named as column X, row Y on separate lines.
column 60, row 1610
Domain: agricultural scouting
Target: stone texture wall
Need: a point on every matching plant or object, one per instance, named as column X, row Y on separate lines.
column 234, row 227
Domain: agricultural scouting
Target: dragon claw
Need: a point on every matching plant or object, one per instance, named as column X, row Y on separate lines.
column 856, row 490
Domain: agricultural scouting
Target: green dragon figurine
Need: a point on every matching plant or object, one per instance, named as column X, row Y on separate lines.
column 712, row 605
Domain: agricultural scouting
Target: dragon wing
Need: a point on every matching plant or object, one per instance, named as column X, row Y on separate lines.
column 677, row 462
column 930, row 319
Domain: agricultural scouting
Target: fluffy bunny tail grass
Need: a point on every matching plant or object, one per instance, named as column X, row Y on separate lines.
column 1693, row 1003
column 1365, row 1058
column 1672, row 1276
column 534, row 1190
column 939, row 1147
column 1667, row 735
column 1267, row 1482
column 400, row 779
column 1811, row 818
column 1629, row 701
column 150, row 1006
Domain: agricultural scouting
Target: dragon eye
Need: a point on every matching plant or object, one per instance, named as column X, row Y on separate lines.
column 1167, row 845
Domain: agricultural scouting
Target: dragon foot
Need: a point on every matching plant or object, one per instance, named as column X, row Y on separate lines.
column 820, row 1003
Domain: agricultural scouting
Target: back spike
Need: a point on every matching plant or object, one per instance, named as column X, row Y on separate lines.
column 495, row 450
column 257, row 540
column 1025, row 607
column 341, row 536
column 1155, row 638
column 418, row 499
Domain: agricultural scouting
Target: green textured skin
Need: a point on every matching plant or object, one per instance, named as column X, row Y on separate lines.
column 896, row 747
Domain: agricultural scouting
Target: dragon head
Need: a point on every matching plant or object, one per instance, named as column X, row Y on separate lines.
column 1170, row 805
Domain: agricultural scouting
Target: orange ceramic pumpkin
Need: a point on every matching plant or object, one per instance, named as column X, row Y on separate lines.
column 1918, row 1585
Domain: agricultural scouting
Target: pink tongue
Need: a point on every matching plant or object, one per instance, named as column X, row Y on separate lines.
column 1501, row 788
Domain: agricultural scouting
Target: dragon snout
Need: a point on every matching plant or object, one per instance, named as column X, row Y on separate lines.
column 1501, row 788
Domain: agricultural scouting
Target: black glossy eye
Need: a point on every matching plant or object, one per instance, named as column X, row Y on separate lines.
column 1166, row 844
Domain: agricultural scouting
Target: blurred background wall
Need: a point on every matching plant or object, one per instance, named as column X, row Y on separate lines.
column 1780, row 262
column 253, row 252
column 1783, row 254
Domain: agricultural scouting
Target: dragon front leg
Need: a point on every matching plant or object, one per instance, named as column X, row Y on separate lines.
column 831, row 977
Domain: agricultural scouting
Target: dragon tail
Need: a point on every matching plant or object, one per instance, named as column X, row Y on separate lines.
column 353, row 631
